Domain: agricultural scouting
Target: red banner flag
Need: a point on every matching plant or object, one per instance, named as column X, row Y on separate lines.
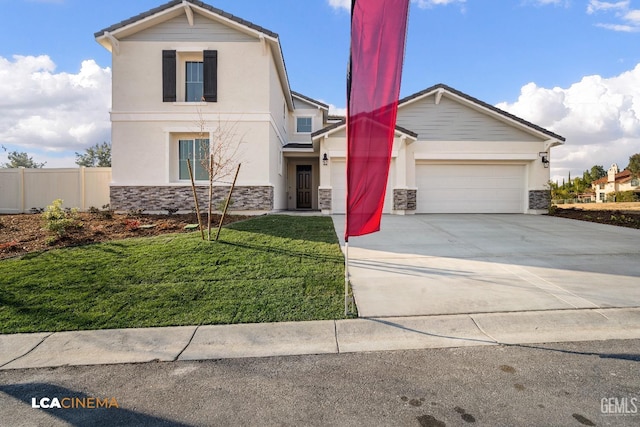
column 378, row 34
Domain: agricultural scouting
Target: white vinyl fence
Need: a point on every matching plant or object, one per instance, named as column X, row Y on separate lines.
column 24, row 189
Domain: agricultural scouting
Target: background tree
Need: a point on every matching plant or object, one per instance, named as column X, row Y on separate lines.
column 634, row 165
column 597, row 172
column 18, row 159
column 97, row 156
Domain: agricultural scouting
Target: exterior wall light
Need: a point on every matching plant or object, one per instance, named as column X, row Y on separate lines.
column 544, row 156
column 325, row 159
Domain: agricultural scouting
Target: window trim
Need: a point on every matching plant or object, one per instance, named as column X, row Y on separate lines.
column 296, row 125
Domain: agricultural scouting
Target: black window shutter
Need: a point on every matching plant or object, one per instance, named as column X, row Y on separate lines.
column 210, row 75
column 169, row 76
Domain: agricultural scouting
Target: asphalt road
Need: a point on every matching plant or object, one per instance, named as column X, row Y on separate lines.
column 569, row 384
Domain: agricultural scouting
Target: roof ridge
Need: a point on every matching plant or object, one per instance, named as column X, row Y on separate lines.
column 174, row 3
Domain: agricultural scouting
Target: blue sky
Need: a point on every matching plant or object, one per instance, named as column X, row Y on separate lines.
column 567, row 65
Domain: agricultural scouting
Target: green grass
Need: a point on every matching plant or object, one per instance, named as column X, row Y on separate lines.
column 268, row 269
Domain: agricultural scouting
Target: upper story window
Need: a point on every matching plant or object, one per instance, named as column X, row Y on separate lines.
column 194, row 82
column 304, row 124
column 635, row 182
column 196, row 72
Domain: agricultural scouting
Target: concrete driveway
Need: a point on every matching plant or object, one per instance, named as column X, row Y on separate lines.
column 453, row 264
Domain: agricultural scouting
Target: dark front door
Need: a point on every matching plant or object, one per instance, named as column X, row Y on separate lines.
column 303, row 187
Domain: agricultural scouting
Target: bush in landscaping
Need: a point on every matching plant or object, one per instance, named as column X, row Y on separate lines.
column 58, row 220
column 622, row 196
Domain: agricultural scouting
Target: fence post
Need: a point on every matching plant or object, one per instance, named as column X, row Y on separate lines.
column 82, row 188
column 22, row 189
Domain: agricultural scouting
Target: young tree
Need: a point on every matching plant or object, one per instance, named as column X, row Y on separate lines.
column 21, row 160
column 634, row 165
column 220, row 148
column 97, row 156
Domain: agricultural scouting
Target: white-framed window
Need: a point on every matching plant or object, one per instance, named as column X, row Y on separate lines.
column 304, row 124
column 197, row 151
column 602, row 197
column 194, row 81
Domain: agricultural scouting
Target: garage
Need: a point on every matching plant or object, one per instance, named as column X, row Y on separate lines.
column 339, row 187
column 470, row 188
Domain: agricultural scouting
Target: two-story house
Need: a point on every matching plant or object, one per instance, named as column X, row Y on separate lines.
column 615, row 181
column 188, row 77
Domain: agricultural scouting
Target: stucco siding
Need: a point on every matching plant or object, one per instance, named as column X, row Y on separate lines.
column 277, row 105
column 451, row 121
column 178, row 29
column 277, row 171
column 243, row 77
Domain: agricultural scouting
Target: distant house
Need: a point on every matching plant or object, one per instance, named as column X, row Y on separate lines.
column 615, row 181
column 186, row 62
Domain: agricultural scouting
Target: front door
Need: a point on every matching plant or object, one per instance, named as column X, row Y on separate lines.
column 303, row 187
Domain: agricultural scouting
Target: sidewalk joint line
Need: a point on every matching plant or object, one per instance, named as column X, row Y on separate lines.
column 28, row 352
column 475, row 322
column 188, row 344
column 335, row 334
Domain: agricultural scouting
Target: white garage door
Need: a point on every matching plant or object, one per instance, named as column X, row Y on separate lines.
column 470, row 188
column 339, row 188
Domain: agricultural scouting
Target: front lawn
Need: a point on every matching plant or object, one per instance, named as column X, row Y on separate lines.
column 268, row 269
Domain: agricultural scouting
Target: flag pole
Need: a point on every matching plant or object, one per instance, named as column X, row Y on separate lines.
column 346, row 277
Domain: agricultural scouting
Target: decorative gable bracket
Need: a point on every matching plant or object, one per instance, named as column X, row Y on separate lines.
column 188, row 11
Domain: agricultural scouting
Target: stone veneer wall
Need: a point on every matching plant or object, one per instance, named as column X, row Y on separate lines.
column 539, row 199
column 324, row 196
column 404, row 199
column 259, row 198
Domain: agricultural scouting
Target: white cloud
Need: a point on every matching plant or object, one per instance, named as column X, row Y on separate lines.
column 45, row 111
column 423, row 4
column 596, row 6
column 600, row 117
column 335, row 111
column 630, row 18
column 340, row 4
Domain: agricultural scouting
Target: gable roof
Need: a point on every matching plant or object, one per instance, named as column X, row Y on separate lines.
column 175, row 3
column 442, row 89
column 108, row 36
column 310, row 100
column 343, row 123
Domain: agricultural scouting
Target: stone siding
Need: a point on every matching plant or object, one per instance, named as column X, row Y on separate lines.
column 324, row 196
column 539, row 199
column 404, row 199
column 155, row 199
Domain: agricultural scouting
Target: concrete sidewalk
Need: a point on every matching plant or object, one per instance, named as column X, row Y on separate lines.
column 42, row 350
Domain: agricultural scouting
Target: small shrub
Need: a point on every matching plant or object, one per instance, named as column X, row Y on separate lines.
column 171, row 210
column 131, row 224
column 59, row 220
column 135, row 212
column 9, row 246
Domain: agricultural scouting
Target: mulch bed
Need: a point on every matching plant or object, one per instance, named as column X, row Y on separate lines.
column 21, row 234
column 629, row 219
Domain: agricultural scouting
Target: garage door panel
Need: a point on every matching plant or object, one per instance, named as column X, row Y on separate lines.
column 465, row 188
